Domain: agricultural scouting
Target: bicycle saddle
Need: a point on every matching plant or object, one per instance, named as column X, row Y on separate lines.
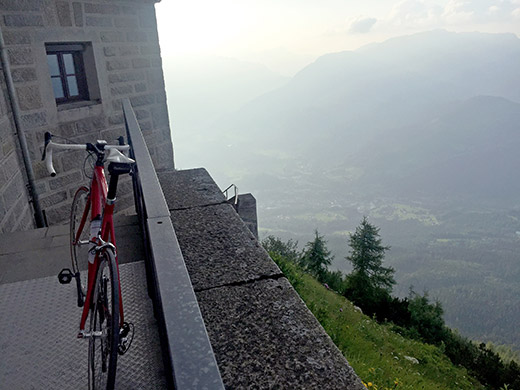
column 116, row 156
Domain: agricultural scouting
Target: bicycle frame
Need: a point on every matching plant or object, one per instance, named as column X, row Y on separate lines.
column 97, row 198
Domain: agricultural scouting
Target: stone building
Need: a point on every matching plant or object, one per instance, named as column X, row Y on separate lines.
column 66, row 65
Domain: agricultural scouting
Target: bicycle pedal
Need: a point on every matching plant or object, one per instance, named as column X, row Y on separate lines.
column 126, row 336
column 65, row 276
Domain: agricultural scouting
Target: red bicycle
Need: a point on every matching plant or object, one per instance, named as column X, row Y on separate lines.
column 93, row 252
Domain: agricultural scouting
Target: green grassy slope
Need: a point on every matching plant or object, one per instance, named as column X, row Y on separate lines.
column 381, row 357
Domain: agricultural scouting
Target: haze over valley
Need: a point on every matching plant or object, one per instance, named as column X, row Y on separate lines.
column 420, row 133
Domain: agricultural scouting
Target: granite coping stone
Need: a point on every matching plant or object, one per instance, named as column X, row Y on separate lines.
column 218, row 248
column 189, row 188
column 263, row 335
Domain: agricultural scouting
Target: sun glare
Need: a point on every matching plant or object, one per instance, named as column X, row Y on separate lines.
column 295, row 32
column 197, row 27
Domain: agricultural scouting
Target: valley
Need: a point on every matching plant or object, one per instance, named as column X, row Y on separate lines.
column 421, row 134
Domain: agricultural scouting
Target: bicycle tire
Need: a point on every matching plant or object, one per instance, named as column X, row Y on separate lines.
column 78, row 252
column 104, row 318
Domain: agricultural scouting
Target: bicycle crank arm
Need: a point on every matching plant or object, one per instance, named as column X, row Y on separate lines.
column 81, row 296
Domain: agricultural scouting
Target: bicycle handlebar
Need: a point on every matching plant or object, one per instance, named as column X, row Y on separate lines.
column 50, row 146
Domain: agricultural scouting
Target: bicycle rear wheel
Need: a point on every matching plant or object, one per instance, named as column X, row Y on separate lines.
column 104, row 325
column 79, row 248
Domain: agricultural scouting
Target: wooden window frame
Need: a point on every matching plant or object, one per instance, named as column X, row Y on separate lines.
column 76, row 50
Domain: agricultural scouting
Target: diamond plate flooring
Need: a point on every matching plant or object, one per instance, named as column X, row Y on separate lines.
column 38, row 345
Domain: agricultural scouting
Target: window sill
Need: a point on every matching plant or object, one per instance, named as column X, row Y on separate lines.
column 74, row 105
column 68, row 112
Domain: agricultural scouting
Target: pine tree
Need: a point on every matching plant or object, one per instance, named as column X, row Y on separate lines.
column 316, row 257
column 369, row 280
column 275, row 246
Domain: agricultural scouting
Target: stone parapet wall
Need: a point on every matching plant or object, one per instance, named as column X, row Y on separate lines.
column 15, row 211
column 125, row 58
column 261, row 332
column 246, row 209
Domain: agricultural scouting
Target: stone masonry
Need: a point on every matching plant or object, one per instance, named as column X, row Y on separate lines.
column 246, row 209
column 15, row 211
column 124, row 61
column 261, row 332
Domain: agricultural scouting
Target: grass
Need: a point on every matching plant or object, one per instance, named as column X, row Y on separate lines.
column 381, row 357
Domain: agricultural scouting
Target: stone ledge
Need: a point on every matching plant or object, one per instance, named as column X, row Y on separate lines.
column 264, row 337
column 262, row 333
column 189, row 188
column 218, row 248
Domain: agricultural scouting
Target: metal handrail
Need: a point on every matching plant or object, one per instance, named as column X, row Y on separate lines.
column 187, row 353
column 225, row 192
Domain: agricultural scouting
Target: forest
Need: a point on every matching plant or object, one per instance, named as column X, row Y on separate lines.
column 369, row 285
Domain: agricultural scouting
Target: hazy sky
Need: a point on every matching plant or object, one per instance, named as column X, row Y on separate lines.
column 285, row 35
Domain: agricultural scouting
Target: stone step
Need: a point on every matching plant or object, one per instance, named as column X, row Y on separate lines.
column 45, row 252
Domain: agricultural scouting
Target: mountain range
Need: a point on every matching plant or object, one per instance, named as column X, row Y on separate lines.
column 421, row 133
column 406, row 94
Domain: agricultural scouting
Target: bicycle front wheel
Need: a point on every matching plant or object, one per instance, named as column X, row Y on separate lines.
column 79, row 235
column 104, row 325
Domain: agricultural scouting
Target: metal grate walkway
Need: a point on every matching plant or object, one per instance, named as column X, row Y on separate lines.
column 38, row 326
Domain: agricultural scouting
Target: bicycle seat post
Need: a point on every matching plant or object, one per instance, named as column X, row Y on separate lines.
column 115, row 169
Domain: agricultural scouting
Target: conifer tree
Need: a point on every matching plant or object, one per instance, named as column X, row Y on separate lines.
column 316, row 257
column 369, row 280
column 275, row 246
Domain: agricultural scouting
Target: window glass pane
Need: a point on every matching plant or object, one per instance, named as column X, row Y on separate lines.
column 57, row 87
column 73, row 86
column 69, row 63
column 65, row 62
column 52, row 61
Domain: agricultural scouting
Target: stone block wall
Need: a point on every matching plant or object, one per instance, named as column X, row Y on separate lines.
column 124, row 61
column 246, row 209
column 15, row 211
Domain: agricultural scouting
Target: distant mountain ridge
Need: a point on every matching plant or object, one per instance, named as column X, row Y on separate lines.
column 421, row 133
column 355, row 103
column 471, row 148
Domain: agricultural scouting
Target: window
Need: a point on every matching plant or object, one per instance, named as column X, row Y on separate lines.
column 67, row 71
